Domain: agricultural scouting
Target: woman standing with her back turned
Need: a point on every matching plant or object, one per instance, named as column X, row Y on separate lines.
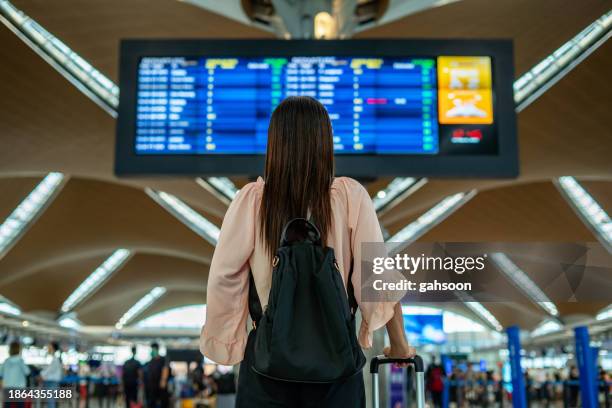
column 299, row 182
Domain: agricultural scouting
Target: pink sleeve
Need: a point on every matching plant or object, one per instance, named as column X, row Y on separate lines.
column 365, row 228
column 223, row 337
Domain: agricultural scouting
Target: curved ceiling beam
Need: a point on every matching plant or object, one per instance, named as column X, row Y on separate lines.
column 52, row 286
column 85, row 255
column 155, row 270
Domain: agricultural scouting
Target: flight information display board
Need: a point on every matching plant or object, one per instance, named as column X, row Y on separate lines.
column 203, row 107
column 223, row 105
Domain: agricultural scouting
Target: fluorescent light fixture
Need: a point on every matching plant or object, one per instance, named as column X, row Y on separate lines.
column 523, row 282
column 398, row 189
column 30, row 208
column 8, row 307
column 221, row 187
column 96, row 279
column 225, row 185
column 188, row 216
column 78, row 71
column 546, row 327
column 529, row 86
column 588, row 209
column 69, row 321
column 482, row 311
column 605, row 314
column 146, row 301
column 427, row 221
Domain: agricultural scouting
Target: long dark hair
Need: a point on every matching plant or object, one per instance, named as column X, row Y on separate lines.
column 299, row 168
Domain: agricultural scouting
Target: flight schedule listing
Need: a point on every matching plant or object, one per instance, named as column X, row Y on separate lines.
column 206, row 105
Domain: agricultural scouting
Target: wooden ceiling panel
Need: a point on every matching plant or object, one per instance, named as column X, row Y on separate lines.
column 566, row 131
column 13, row 191
column 601, row 191
column 516, row 314
column 537, row 27
column 114, row 308
column 581, row 308
column 520, row 213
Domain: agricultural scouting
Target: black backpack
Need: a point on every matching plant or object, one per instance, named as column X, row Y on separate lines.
column 307, row 332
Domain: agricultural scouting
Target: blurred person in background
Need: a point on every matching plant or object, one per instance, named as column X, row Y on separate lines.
column 604, row 387
column 197, row 378
column 574, row 387
column 54, row 372
column 434, row 377
column 156, row 379
column 131, row 377
column 14, row 372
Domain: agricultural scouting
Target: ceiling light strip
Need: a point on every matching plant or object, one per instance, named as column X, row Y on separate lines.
column 9, row 308
column 69, row 321
column 221, row 187
column 434, row 216
column 28, row 210
column 188, row 216
column 531, row 85
column 546, row 327
column 523, row 282
column 396, row 191
column 589, row 210
column 484, row 313
column 605, row 314
column 97, row 278
column 73, row 67
column 144, row 303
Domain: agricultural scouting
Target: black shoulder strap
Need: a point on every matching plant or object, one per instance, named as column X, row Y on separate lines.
column 350, row 290
column 255, row 309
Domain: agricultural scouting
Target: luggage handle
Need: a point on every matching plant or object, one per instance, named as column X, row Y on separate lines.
column 377, row 361
column 416, row 361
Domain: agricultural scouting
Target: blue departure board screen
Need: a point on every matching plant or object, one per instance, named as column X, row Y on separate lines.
column 222, row 105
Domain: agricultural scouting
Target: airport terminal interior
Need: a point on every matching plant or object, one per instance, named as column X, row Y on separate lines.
column 95, row 261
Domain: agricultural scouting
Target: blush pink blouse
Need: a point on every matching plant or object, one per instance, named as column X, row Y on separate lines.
column 240, row 249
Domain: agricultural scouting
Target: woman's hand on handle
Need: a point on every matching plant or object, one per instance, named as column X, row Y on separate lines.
column 400, row 352
column 399, row 347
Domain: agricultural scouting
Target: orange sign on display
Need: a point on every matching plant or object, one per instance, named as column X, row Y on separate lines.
column 464, row 90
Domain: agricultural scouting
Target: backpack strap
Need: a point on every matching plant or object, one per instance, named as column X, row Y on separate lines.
column 350, row 291
column 255, row 309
